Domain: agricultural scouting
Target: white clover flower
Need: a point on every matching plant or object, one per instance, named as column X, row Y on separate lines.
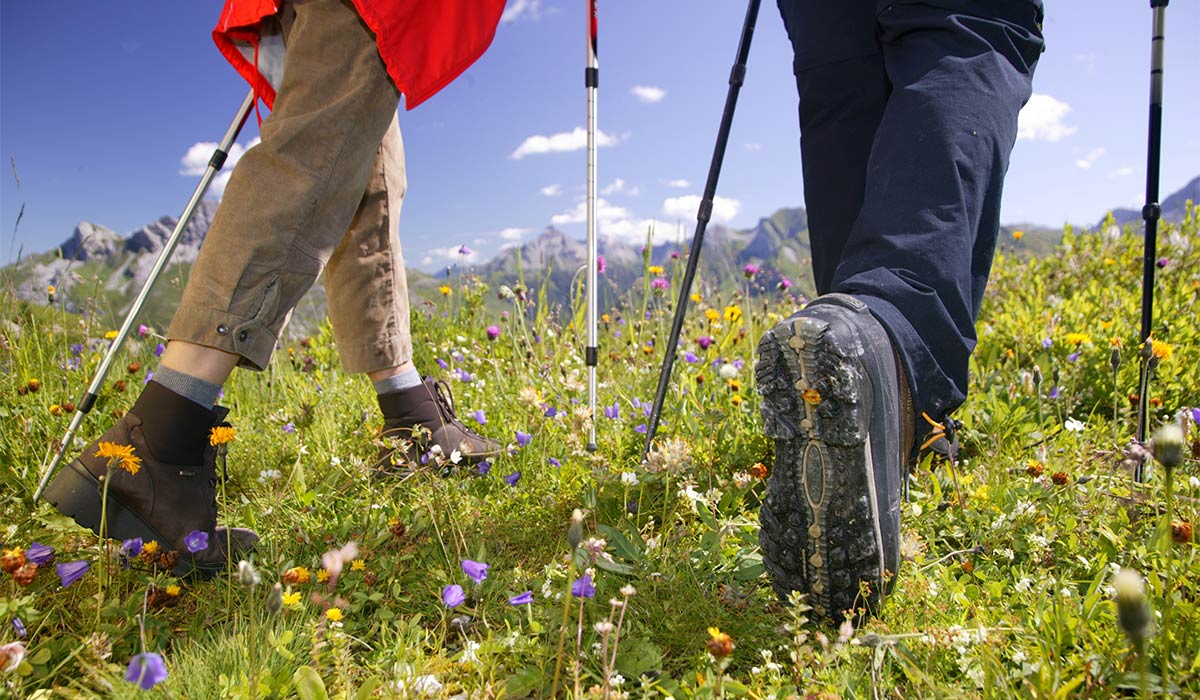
column 1075, row 426
column 727, row 371
column 629, row 478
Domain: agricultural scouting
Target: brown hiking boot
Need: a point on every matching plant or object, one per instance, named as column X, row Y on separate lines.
column 421, row 419
column 171, row 495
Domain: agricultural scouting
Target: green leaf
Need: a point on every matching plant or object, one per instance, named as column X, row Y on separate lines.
column 624, row 548
column 309, row 685
column 364, row 692
column 615, row 567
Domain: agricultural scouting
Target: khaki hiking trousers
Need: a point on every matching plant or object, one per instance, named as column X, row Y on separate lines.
column 320, row 193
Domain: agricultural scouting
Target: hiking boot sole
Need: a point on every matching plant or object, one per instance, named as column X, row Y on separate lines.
column 75, row 493
column 820, row 523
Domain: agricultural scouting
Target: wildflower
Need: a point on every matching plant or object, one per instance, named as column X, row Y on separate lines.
column 1018, row 235
column 1196, row 416
column 727, row 371
column 18, row 628
column 629, row 478
column 1078, row 338
column 11, row 655
column 453, row 595
column 719, row 643
column 583, row 588
column 71, row 572
column 512, row 479
column 600, row 264
column 12, row 559
column 148, row 549
column 110, row 335
column 1161, row 350
column 464, row 250
column 159, row 349
column 1167, row 446
column 733, row 314
column 523, row 438
column 334, row 615
column 1181, row 531
column 334, row 560
column 655, row 269
column 247, row 576
column 26, row 574
column 811, row 396
column 222, row 435
column 1162, row 262
column 477, row 570
column 121, row 454
column 758, row 471
column 1060, row 478
column 784, row 284
column 1034, row 469
column 445, row 290
column 358, row 565
column 750, row 270
column 296, row 575
column 322, row 576
column 659, row 284
column 289, row 427
column 1133, row 610
column 704, row 341
column 523, row 599
column 196, row 541
column 1074, row 426
column 291, row 598
column 613, row 412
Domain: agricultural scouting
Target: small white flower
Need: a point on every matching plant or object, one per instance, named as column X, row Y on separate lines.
column 1018, row 656
column 1023, row 585
column 629, row 478
column 604, row 627
column 616, row 679
column 727, row 371
column 468, row 655
column 1075, row 426
column 1194, row 482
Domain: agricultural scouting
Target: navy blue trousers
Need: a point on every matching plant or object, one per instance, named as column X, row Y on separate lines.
column 908, row 114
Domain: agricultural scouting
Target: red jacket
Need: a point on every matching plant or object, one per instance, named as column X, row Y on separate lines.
column 425, row 44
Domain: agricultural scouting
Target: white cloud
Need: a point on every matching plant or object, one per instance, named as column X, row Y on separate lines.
column 552, row 190
column 678, row 184
column 634, row 230
column 1123, row 171
column 648, row 93
column 724, row 208
column 578, row 214
column 561, row 142
column 1090, row 159
column 1042, row 119
column 451, row 254
column 514, row 233
column 752, row 146
column 195, row 162
column 618, row 186
column 516, row 9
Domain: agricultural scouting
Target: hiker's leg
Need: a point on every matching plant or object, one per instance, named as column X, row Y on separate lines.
column 921, row 248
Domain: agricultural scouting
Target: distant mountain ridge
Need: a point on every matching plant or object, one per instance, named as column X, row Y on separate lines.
column 97, row 268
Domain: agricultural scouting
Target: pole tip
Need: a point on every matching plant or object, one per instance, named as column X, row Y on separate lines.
column 592, row 447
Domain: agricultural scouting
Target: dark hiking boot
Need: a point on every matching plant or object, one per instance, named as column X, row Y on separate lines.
column 172, row 494
column 421, row 418
column 838, row 407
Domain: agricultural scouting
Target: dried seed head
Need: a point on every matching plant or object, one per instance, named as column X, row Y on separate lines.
column 575, row 531
column 275, row 598
column 1037, row 376
column 1133, row 610
column 247, row 576
column 1114, row 357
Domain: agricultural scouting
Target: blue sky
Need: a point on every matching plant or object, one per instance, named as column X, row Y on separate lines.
column 100, row 104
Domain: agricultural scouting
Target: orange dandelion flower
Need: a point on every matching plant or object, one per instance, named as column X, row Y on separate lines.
column 759, row 471
column 1060, row 478
column 1018, row 235
column 121, row 455
column 811, row 396
column 221, row 435
column 1034, row 469
column 12, row 559
column 297, row 574
column 1161, row 350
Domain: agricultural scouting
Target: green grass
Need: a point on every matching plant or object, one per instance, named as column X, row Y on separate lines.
column 1004, row 591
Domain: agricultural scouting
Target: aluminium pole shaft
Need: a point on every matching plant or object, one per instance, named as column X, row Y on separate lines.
column 1152, row 210
column 736, row 77
column 592, row 351
column 89, row 398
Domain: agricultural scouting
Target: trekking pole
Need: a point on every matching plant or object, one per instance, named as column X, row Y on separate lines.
column 1152, row 210
column 736, row 77
column 85, row 404
column 591, row 80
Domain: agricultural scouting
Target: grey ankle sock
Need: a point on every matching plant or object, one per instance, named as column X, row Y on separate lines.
column 189, row 387
column 398, row 382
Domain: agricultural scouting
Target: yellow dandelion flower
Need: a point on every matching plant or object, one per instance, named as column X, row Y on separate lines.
column 358, row 565
column 711, row 314
column 1008, row 353
column 605, row 318
column 695, row 298
column 50, row 289
column 1078, row 338
column 733, row 384
column 291, row 598
column 122, row 455
column 221, row 435
column 1106, row 324
column 1115, row 342
column 719, row 643
column 322, row 576
column 56, row 410
column 297, row 574
column 1161, row 350
column 736, row 399
column 1018, row 235
column 334, row 615
column 110, row 335
column 173, row 590
column 733, row 314
column 445, row 290
column 655, row 269
column 150, row 548
column 1110, row 261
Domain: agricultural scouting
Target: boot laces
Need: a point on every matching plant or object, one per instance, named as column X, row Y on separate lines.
column 445, row 399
